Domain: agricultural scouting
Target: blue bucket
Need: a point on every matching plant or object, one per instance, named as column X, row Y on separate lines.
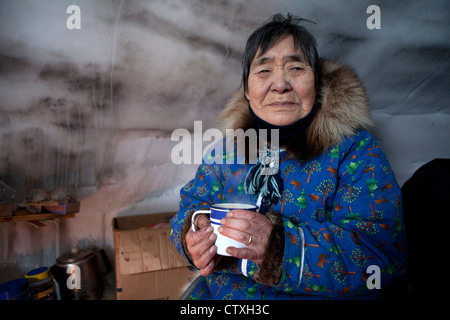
column 17, row 289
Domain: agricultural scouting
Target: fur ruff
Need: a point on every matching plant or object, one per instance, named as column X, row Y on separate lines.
column 344, row 110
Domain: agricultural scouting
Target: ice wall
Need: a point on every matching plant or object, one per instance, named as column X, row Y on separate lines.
column 93, row 109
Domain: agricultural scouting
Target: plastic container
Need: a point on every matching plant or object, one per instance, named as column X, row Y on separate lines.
column 42, row 284
column 17, row 289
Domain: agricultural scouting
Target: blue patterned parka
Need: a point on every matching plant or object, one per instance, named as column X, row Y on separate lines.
column 339, row 218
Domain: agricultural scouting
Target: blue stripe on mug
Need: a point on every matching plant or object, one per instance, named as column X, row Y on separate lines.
column 218, row 214
column 214, row 221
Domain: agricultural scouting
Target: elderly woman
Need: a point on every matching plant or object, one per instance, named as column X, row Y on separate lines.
column 330, row 221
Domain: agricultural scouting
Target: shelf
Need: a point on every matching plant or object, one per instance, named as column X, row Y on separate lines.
column 22, row 214
column 36, row 217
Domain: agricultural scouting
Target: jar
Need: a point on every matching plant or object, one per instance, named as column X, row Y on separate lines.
column 42, row 285
column 17, row 289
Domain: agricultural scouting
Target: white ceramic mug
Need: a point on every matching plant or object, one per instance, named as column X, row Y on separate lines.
column 217, row 212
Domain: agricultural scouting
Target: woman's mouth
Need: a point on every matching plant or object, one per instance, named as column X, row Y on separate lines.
column 282, row 104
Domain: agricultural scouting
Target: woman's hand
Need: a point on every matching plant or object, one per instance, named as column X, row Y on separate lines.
column 201, row 246
column 247, row 227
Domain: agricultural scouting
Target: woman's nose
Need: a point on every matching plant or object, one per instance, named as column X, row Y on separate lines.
column 281, row 83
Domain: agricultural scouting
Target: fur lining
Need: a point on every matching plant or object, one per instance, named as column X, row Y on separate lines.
column 344, row 110
column 270, row 270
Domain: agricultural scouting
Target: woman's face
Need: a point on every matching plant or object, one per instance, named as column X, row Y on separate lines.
column 281, row 86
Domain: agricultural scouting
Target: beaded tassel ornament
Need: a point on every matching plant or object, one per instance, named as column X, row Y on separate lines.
column 265, row 178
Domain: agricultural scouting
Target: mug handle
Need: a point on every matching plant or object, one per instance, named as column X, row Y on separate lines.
column 193, row 217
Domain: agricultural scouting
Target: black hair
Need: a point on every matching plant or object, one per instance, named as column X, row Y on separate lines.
column 273, row 30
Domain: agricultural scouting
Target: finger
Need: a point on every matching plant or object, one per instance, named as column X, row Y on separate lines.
column 203, row 250
column 243, row 253
column 249, row 222
column 200, row 241
column 240, row 219
column 237, row 224
column 193, row 238
column 210, row 267
column 244, row 214
column 202, row 261
column 241, row 236
column 202, row 221
column 244, row 220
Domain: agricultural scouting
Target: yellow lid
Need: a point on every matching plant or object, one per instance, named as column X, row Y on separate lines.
column 38, row 274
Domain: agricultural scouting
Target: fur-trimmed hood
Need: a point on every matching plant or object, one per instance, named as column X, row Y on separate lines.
column 344, row 110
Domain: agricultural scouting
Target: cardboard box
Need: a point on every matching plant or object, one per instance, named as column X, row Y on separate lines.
column 6, row 209
column 148, row 266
